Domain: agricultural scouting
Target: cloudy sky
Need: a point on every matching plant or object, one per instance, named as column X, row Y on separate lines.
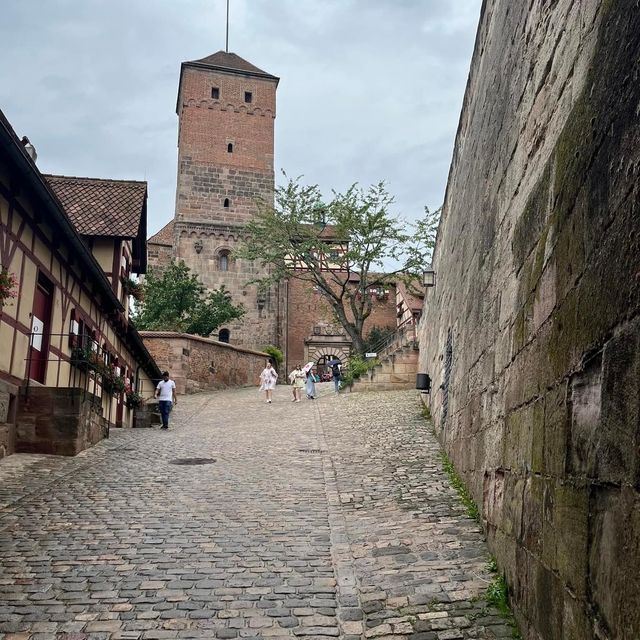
column 370, row 89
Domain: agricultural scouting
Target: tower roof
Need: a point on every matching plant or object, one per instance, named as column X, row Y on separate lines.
column 231, row 62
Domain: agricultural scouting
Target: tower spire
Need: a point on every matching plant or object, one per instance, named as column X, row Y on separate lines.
column 227, row 39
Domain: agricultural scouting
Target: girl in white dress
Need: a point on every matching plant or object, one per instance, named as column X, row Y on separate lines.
column 268, row 379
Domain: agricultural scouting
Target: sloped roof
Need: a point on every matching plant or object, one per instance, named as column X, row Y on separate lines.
column 100, row 207
column 229, row 61
column 414, row 302
column 164, row 236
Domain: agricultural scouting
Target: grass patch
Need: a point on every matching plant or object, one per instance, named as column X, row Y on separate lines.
column 426, row 412
column 497, row 594
column 470, row 506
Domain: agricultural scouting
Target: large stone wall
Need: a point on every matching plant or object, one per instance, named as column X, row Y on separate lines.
column 200, row 364
column 532, row 333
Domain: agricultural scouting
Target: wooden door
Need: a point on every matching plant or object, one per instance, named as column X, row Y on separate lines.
column 40, row 329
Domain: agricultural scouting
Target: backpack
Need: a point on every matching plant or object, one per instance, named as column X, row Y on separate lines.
column 335, row 369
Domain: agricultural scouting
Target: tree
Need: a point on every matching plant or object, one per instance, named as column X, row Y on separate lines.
column 340, row 247
column 176, row 300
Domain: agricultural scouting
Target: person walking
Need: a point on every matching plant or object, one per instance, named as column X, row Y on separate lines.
column 297, row 379
column 335, row 372
column 166, row 394
column 268, row 379
column 310, row 386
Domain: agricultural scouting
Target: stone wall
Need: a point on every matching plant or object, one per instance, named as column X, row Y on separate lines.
column 60, row 421
column 259, row 326
column 532, row 333
column 199, row 364
column 8, row 404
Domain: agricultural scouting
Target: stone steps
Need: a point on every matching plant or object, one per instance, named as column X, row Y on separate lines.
column 397, row 370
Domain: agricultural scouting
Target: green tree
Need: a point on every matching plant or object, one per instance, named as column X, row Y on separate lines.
column 176, row 300
column 341, row 248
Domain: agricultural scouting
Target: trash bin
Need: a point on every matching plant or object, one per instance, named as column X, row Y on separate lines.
column 423, row 382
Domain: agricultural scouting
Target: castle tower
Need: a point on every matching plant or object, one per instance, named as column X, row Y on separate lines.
column 226, row 109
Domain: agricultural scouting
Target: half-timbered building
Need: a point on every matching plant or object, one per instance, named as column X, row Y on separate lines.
column 71, row 363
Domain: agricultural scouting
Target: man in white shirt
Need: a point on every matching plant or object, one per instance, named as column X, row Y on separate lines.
column 166, row 394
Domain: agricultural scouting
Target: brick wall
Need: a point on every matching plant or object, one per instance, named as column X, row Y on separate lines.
column 532, row 333
column 209, row 175
column 199, row 364
column 308, row 309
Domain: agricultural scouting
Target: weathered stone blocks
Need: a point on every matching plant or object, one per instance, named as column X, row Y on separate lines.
column 538, row 256
column 61, row 421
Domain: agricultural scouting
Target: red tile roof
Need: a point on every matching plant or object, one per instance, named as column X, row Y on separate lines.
column 101, row 207
column 414, row 302
column 164, row 236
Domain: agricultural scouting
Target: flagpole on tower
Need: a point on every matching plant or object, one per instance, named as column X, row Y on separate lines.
column 227, row 40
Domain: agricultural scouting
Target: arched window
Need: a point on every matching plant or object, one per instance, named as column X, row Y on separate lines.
column 230, row 147
column 223, row 261
column 223, row 335
column 226, row 203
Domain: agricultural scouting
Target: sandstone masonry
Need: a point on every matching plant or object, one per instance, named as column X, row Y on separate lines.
column 532, row 334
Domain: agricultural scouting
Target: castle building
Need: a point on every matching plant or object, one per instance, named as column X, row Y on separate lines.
column 226, row 109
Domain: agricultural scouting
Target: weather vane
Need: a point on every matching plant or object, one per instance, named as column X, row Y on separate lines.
column 227, row 40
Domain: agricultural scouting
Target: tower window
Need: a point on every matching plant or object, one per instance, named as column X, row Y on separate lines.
column 248, row 96
column 230, row 147
column 215, row 93
column 223, row 261
column 226, row 203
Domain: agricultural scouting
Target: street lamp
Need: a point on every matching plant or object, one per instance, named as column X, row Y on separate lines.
column 429, row 277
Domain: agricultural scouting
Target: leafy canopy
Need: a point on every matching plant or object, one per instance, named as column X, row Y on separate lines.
column 340, row 247
column 176, row 300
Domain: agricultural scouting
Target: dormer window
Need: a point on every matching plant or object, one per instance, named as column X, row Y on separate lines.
column 248, row 96
column 215, row 93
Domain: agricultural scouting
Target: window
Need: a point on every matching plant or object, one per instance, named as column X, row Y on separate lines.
column 230, row 147
column 226, row 203
column 248, row 96
column 223, row 335
column 215, row 93
column 223, row 261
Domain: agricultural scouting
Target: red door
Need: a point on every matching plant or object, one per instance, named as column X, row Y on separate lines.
column 40, row 329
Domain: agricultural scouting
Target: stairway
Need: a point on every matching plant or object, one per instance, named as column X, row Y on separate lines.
column 397, row 369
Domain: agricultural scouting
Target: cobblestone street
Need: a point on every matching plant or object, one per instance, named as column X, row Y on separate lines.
column 321, row 519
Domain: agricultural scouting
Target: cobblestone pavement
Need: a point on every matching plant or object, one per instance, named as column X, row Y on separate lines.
column 320, row 519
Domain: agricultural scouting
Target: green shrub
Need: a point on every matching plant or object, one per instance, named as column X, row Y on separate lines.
column 276, row 355
column 458, row 484
column 355, row 368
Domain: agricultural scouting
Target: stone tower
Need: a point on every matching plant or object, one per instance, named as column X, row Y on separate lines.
column 226, row 109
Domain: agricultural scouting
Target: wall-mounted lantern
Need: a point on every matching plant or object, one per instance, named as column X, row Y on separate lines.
column 429, row 277
column 197, row 245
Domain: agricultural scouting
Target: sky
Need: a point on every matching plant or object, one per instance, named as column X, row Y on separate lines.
column 369, row 90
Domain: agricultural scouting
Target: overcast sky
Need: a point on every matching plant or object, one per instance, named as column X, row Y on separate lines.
column 370, row 89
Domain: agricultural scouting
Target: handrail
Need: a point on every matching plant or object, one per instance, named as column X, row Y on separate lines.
column 399, row 333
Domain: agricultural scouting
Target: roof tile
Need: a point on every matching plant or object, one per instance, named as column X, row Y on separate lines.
column 101, row 207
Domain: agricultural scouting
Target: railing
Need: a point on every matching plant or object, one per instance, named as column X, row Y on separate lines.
column 405, row 332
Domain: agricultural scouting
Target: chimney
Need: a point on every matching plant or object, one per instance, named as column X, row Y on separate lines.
column 29, row 148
